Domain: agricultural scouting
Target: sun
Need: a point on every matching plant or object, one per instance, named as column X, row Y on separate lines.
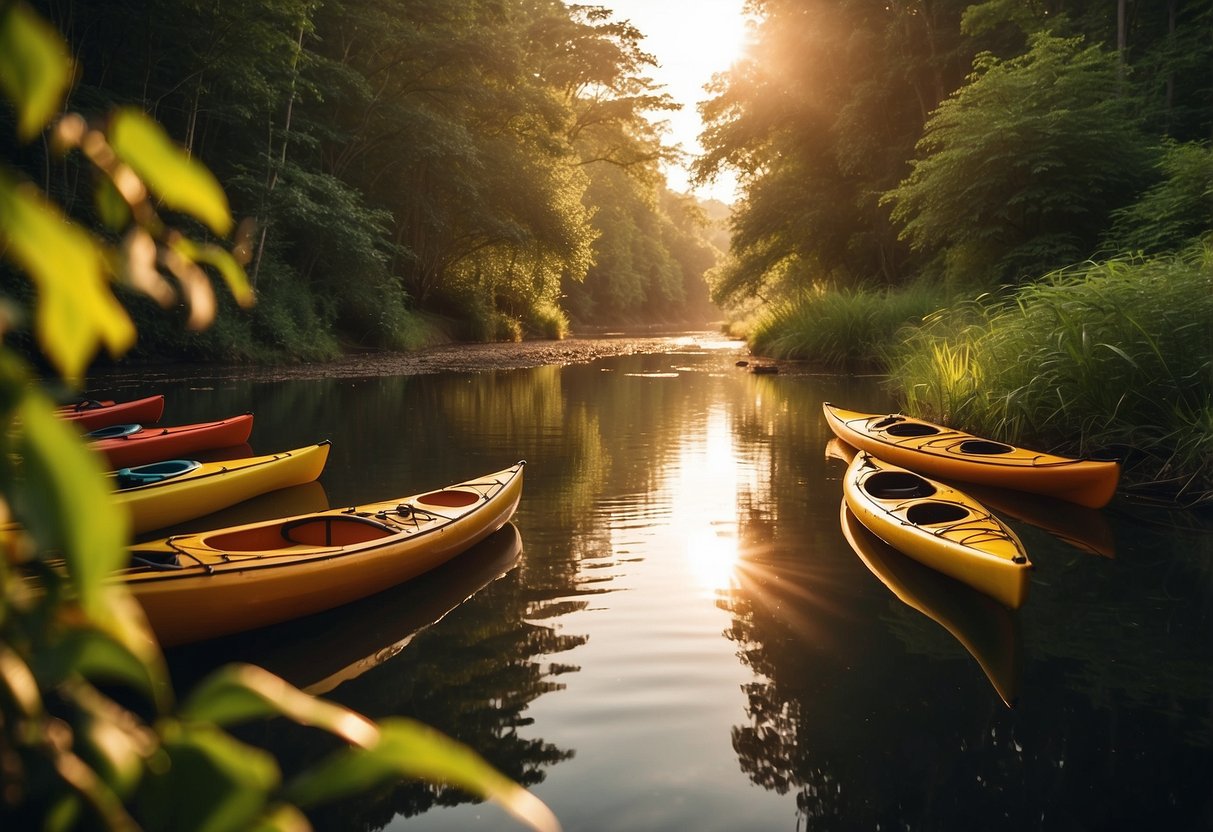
column 692, row 40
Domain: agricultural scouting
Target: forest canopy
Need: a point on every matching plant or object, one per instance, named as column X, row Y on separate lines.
column 882, row 144
column 408, row 166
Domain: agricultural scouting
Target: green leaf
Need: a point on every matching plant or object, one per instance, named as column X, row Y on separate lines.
column 98, row 657
column 240, row 692
column 410, row 749
column 282, row 818
column 232, row 272
column 183, row 183
column 213, row 783
column 114, row 747
column 112, row 209
column 66, row 504
column 35, row 69
column 223, row 261
column 77, row 312
column 398, row 748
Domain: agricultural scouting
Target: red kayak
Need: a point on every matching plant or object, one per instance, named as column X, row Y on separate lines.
column 90, row 414
column 129, row 445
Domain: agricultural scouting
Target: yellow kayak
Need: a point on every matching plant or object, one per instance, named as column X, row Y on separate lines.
column 1083, row 528
column 208, row 584
column 952, row 454
column 986, row 629
column 938, row 526
column 167, row 493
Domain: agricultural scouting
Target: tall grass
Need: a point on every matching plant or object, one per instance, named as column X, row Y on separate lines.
column 840, row 329
column 1104, row 358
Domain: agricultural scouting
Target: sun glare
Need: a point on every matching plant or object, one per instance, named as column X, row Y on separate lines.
column 705, row 515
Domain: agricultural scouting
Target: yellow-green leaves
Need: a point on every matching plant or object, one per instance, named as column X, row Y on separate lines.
column 66, row 501
column 405, row 748
column 182, row 256
column 34, row 67
column 392, row 749
column 77, row 312
column 237, row 693
column 183, row 184
column 213, row 784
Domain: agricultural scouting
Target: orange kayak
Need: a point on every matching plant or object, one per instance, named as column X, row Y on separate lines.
column 951, row 454
column 126, row 446
column 212, row 583
column 91, row 414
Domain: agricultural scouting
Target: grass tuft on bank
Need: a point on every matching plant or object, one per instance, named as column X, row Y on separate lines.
column 840, row 328
column 1105, row 359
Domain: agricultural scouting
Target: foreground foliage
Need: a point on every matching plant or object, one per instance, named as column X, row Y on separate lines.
column 90, row 735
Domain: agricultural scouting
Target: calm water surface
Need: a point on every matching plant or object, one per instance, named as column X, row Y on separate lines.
column 674, row 633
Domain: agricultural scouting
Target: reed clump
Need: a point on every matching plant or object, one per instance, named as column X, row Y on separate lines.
column 1103, row 359
column 840, row 328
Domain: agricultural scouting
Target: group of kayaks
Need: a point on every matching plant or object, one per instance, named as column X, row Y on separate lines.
column 206, row 584
column 903, row 484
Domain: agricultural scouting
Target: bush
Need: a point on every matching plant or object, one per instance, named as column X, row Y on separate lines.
column 548, row 321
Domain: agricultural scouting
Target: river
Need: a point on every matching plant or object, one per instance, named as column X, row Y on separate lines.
column 674, row 634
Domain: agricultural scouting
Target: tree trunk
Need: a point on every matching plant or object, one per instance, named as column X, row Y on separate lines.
column 1121, row 37
column 272, row 178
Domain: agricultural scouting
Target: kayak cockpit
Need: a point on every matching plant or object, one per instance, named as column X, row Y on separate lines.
column 154, row 472
column 113, row 432
column 902, row 429
column 316, row 530
column 936, row 513
column 984, row 447
column 897, row 485
column 448, row 498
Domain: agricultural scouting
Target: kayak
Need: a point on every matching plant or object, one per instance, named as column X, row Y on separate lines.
column 171, row 492
column 1083, row 528
column 285, row 502
column 125, row 446
column 199, row 586
column 952, row 454
column 91, row 414
column 985, row 628
column 319, row 653
column 938, row 526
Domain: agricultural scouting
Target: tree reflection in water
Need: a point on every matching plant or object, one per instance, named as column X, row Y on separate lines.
column 874, row 717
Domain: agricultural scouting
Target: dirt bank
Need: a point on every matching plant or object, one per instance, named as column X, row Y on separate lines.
column 449, row 358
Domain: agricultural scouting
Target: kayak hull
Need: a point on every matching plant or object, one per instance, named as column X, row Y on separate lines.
column 92, row 415
column 938, row 526
column 217, row 485
column 942, row 452
column 155, row 444
column 240, row 578
column 986, row 629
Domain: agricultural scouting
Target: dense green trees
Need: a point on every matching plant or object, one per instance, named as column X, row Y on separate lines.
column 1018, row 170
column 400, row 159
column 899, row 157
column 883, row 142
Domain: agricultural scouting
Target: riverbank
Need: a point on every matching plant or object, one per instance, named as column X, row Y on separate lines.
column 463, row 357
